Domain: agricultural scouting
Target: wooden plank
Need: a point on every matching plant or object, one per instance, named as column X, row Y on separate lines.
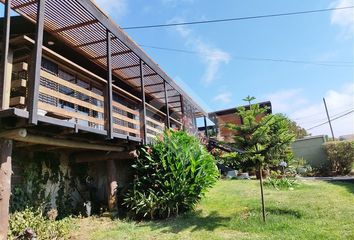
column 70, row 85
column 19, row 83
column 70, row 99
column 62, row 111
column 127, row 129
column 153, row 129
column 125, row 108
column 15, row 101
column 21, row 66
column 79, row 25
column 155, row 121
column 50, row 141
column 125, row 118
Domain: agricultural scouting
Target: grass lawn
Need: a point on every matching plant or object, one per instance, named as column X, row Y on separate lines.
column 231, row 210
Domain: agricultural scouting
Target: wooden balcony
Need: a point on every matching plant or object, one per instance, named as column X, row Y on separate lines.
column 72, row 96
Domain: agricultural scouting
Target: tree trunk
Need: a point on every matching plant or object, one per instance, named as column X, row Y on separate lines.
column 5, row 185
column 262, row 195
column 112, row 185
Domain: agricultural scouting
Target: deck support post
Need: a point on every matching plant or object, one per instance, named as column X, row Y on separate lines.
column 35, row 68
column 108, row 95
column 112, row 185
column 5, row 76
column 168, row 124
column 143, row 132
column 5, row 185
column 182, row 113
column 206, row 126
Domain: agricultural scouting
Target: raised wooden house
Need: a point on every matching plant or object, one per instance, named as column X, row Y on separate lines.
column 72, row 81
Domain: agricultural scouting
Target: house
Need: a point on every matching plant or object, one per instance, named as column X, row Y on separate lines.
column 221, row 117
column 74, row 84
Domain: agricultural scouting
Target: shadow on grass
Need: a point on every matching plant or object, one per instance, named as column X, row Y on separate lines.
column 348, row 185
column 283, row 211
column 195, row 220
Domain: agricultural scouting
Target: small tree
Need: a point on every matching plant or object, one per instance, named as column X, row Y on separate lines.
column 264, row 138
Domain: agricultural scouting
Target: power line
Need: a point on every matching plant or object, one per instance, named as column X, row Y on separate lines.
column 328, row 63
column 322, row 119
column 331, row 120
column 316, row 114
column 237, row 18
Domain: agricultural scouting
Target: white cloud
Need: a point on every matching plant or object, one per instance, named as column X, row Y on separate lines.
column 308, row 114
column 343, row 18
column 115, row 8
column 224, row 97
column 211, row 56
column 286, row 100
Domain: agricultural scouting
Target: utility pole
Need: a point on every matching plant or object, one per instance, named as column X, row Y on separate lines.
column 329, row 120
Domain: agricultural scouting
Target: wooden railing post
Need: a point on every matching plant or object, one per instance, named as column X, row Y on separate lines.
column 5, row 77
column 143, row 132
column 168, row 125
column 108, row 91
column 182, row 113
column 35, row 68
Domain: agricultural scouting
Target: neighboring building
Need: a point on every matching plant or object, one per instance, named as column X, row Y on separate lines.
column 221, row 117
column 87, row 92
column 346, row 137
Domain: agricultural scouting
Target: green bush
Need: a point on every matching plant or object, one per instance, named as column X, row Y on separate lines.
column 42, row 227
column 171, row 176
column 340, row 155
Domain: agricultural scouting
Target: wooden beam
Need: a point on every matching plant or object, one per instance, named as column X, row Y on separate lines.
column 113, row 54
column 76, row 26
column 93, row 42
column 143, row 131
column 24, row 4
column 99, row 156
column 112, row 185
column 151, row 85
column 108, row 97
column 125, row 67
column 5, row 77
column 137, row 77
column 5, row 185
column 22, row 135
column 35, row 68
column 168, row 124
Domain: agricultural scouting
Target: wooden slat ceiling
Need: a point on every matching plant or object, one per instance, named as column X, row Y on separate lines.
column 82, row 26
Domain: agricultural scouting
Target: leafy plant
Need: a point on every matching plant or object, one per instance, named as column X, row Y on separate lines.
column 42, row 227
column 171, row 176
column 280, row 182
column 340, row 155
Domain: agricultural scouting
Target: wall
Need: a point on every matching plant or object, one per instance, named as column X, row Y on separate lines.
column 311, row 150
column 55, row 179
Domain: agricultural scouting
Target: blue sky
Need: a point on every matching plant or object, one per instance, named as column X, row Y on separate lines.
column 216, row 76
column 219, row 79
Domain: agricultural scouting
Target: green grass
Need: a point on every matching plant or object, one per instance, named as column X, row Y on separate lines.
column 231, row 210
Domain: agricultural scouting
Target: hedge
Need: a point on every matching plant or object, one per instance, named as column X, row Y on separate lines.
column 340, row 155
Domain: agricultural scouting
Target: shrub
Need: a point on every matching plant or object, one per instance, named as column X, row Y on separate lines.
column 42, row 227
column 170, row 176
column 340, row 155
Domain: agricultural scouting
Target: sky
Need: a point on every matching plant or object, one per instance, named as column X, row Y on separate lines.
column 220, row 69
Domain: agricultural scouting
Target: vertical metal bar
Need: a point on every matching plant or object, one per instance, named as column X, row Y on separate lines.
column 182, row 113
column 143, row 131
column 35, row 69
column 329, row 120
column 108, row 96
column 168, row 124
column 4, row 56
column 206, row 126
